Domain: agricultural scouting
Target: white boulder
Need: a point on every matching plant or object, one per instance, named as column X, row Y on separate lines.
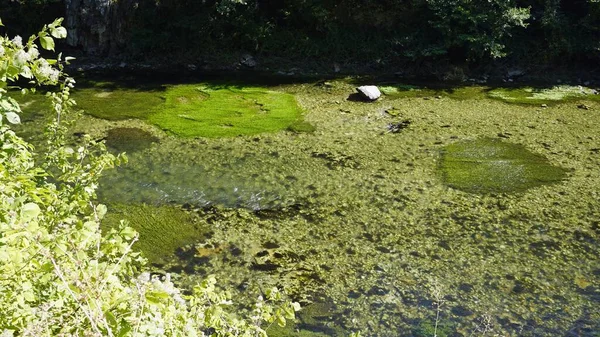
column 369, row 92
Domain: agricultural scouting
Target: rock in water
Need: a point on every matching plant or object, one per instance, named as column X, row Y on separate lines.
column 369, row 92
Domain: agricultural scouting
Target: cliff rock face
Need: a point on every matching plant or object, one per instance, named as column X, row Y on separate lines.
column 99, row 27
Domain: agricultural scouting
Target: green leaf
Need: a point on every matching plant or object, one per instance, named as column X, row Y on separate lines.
column 125, row 330
column 26, row 72
column 110, row 318
column 155, row 297
column 281, row 321
column 128, row 233
column 101, row 211
column 9, row 104
column 30, row 211
column 29, row 296
column 12, row 71
column 59, row 32
column 47, row 42
column 13, row 118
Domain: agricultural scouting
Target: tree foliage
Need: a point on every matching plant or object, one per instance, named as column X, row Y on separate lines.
column 476, row 28
column 59, row 275
column 459, row 31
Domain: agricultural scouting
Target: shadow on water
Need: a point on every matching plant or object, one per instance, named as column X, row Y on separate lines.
column 153, row 81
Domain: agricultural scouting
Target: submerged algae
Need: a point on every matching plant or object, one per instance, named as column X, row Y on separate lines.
column 190, row 110
column 493, row 166
column 408, row 91
column 544, row 95
column 361, row 218
column 117, row 103
column 162, row 229
column 127, row 139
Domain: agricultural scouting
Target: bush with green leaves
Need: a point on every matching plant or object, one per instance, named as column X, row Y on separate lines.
column 59, row 275
column 476, row 29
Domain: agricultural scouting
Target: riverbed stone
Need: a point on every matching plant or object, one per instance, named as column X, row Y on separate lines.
column 517, row 72
column 248, row 60
column 369, row 92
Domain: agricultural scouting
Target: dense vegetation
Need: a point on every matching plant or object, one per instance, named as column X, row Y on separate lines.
column 360, row 32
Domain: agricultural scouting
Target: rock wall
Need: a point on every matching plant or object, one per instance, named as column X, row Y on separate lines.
column 99, row 27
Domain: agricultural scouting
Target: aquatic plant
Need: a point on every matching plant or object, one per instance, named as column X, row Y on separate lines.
column 493, row 166
column 531, row 95
column 162, row 229
column 225, row 111
column 116, row 103
column 196, row 110
column 129, row 140
column 301, row 127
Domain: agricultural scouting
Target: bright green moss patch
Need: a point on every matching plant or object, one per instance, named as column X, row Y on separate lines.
column 488, row 165
column 200, row 111
column 191, row 110
column 162, row 229
column 529, row 95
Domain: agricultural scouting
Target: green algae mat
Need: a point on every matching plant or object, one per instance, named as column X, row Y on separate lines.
column 361, row 225
column 189, row 110
column 197, row 111
column 516, row 94
column 490, row 165
column 544, row 95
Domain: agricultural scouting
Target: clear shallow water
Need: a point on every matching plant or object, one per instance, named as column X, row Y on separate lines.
column 233, row 183
column 358, row 224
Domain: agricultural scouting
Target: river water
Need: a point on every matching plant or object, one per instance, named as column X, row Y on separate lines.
column 364, row 226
